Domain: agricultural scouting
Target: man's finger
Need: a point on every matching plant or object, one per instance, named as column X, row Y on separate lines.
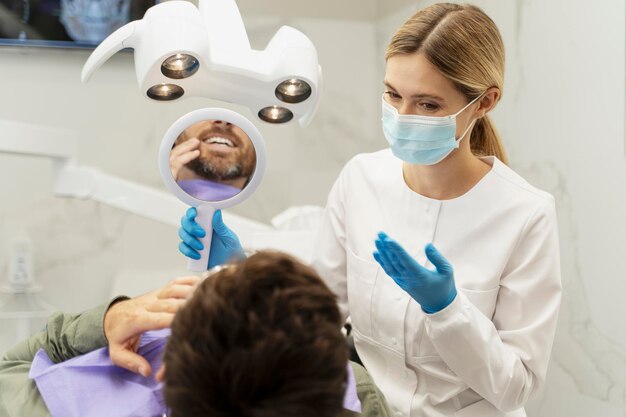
column 130, row 360
column 187, row 157
column 186, row 146
column 166, row 306
column 160, row 375
column 186, row 280
column 141, row 322
column 176, row 291
column 155, row 321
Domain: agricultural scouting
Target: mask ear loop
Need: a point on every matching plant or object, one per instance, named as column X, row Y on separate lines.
column 458, row 141
column 469, row 104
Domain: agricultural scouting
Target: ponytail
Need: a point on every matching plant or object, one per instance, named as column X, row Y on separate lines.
column 485, row 140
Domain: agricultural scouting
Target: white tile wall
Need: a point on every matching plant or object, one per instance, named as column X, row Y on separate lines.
column 562, row 121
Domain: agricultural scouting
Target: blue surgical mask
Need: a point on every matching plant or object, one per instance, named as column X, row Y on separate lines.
column 422, row 140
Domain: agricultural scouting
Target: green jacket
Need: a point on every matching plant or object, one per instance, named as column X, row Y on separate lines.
column 70, row 335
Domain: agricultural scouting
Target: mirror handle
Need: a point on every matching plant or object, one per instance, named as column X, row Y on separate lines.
column 205, row 220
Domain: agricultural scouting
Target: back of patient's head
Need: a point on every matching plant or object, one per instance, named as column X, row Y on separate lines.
column 259, row 339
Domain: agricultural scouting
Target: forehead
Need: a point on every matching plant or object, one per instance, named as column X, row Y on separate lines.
column 411, row 74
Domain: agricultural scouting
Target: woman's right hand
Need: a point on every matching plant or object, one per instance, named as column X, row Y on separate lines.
column 225, row 245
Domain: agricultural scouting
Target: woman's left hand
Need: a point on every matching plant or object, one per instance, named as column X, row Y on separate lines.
column 433, row 290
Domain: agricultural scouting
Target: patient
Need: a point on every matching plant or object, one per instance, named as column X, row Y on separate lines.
column 261, row 338
column 212, row 160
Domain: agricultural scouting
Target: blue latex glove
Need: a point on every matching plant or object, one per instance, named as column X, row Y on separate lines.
column 225, row 245
column 433, row 290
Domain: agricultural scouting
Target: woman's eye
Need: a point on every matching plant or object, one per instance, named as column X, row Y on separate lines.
column 392, row 95
column 430, row 107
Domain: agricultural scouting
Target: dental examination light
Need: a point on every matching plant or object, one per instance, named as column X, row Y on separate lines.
column 181, row 50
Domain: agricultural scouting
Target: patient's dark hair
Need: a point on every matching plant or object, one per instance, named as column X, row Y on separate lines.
column 258, row 339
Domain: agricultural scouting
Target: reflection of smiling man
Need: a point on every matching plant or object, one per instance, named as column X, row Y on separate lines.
column 212, row 160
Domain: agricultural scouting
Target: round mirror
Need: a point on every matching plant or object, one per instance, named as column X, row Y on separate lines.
column 211, row 159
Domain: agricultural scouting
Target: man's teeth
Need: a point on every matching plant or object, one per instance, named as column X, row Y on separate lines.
column 219, row 140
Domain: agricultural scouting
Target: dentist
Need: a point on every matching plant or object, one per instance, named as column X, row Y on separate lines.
column 446, row 260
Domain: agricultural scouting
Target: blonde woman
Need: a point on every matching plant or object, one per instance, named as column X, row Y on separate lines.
column 446, row 260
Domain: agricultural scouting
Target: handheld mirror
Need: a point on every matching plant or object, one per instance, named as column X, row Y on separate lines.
column 211, row 159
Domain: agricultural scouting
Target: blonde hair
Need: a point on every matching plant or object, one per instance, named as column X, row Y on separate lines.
column 466, row 46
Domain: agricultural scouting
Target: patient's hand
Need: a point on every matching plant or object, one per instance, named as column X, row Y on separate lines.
column 127, row 320
column 182, row 154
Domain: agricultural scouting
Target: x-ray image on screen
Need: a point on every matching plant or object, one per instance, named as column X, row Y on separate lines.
column 65, row 23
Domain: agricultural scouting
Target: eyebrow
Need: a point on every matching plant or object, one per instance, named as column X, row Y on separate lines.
column 432, row 96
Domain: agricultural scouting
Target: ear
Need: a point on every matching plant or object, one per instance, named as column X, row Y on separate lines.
column 488, row 101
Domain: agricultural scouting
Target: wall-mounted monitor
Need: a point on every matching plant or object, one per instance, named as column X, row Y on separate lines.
column 65, row 23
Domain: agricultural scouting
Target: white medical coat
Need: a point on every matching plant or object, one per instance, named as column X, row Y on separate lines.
column 487, row 352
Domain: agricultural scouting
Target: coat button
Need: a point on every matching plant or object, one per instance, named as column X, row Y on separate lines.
column 394, row 341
